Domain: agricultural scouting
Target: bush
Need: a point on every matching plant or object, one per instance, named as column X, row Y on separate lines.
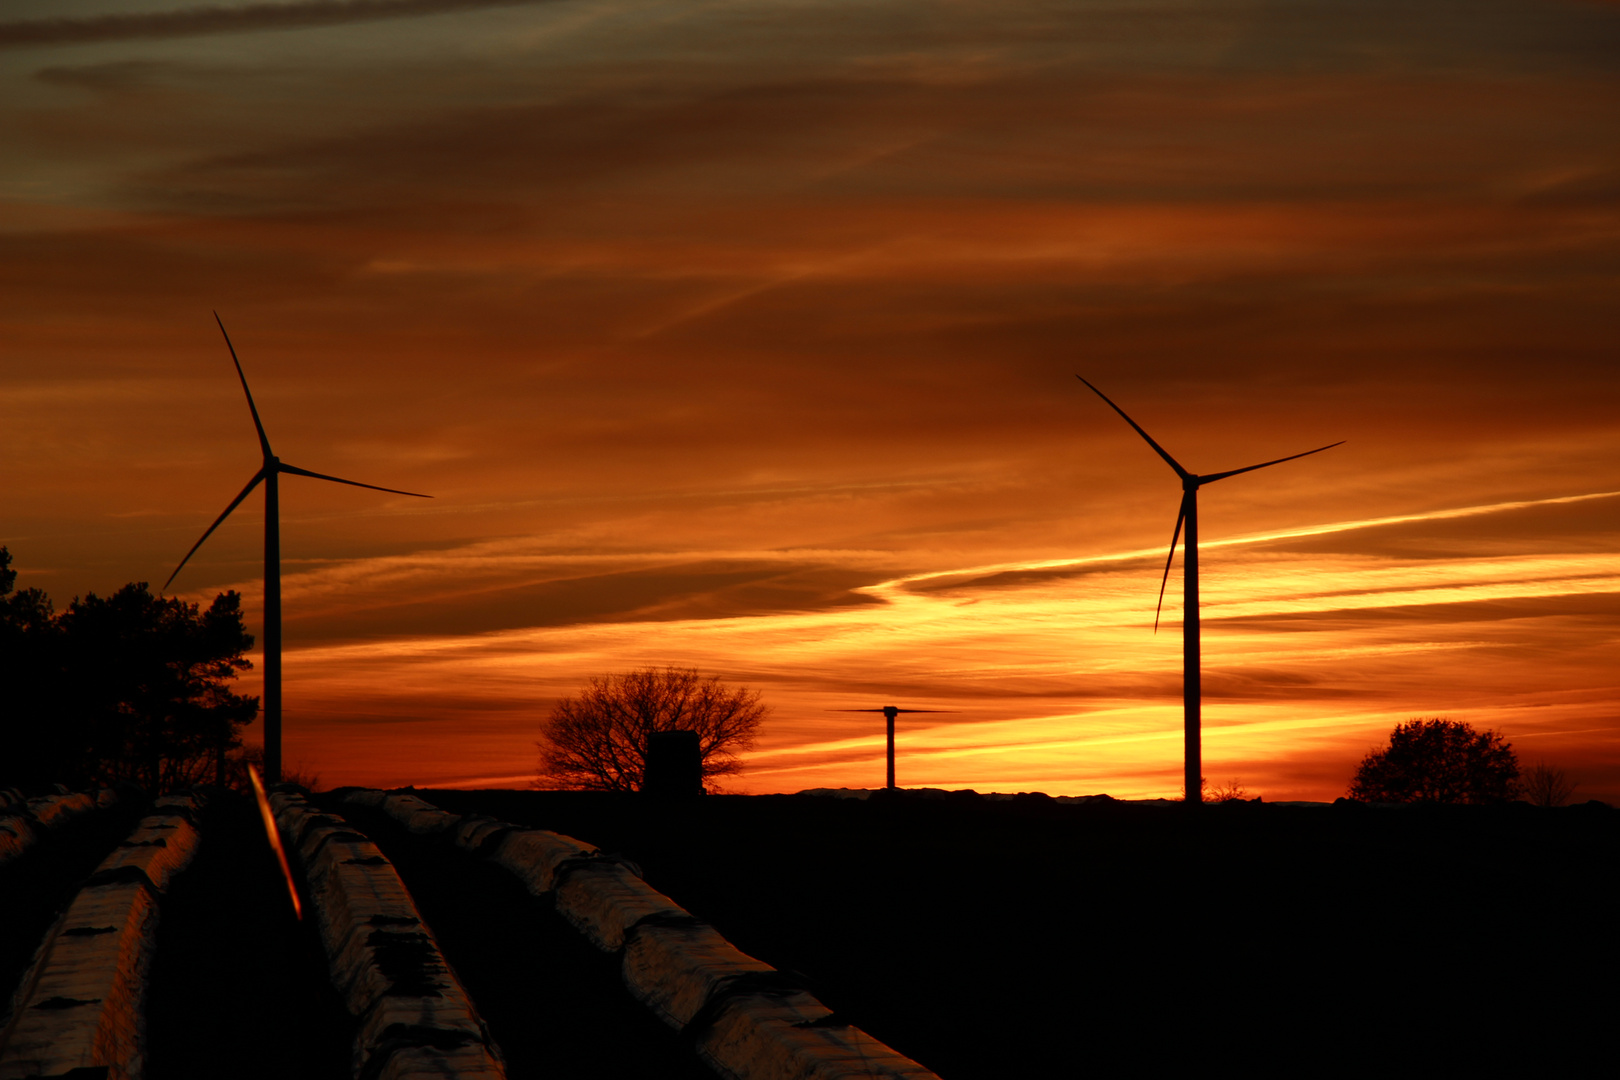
column 1438, row 760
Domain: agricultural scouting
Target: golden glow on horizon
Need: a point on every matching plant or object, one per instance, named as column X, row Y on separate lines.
column 1054, row 683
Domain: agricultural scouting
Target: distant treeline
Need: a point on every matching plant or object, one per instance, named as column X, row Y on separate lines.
column 128, row 687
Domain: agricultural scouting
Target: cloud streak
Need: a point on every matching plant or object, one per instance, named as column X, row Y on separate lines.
column 743, row 335
column 201, row 21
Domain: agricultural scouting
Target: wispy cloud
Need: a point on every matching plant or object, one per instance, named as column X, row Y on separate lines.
column 1049, row 683
column 198, row 21
column 1028, row 567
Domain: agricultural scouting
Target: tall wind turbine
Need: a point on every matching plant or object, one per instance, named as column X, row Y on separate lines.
column 268, row 473
column 1192, row 658
column 890, row 712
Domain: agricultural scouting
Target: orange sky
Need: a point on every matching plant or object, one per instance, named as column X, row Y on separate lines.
column 742, row 335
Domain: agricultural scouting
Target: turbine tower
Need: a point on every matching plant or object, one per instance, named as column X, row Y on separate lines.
column 1192, row 658
column 268, row 473
column 890, row 712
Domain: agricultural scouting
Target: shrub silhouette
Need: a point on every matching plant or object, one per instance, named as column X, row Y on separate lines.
column 1438, row 760
column 598, row 740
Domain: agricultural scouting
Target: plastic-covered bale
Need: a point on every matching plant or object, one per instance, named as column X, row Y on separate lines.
column 747, row 1020
column 478, row 834
column 676, row 965
column 417, row 1063
column 419, row 816
column 356, row 890
column 24, row 822
column 791, row 1036
column 54, row 810
column 17, row 834
column 415, row 1019
column 603, row 897
column 371, row 798
column 534, row 855
column 81, row 1004
column 161, row 846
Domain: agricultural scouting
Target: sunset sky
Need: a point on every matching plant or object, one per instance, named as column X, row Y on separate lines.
column 743, row 335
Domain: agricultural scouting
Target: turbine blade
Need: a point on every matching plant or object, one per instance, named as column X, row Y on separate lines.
column 1162, row 452
column 897, row 710
column 1223, row 475
column 253, row 483
column 296, row 471
column 264, row 441
column 1174, row 537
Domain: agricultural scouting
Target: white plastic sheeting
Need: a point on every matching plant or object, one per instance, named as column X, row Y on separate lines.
column 81, row 1004
column 23, row 822
column 782, row 1034
column 416, row 1020
column 746, row 1019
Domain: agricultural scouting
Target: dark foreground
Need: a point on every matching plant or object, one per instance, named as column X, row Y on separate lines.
column 985, row 939
column 990, row 939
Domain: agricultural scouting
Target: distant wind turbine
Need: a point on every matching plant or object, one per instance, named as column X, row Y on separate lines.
column 1191, row 651
column 273, row 467
column 890, row 712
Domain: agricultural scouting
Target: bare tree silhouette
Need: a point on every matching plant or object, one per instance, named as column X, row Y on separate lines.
column 1545, row 785
column 598, row 740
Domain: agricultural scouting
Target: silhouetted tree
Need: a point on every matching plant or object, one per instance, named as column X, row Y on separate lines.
column 1545, row 785
column 1438, row 760
column 598, row 740
column 130, row 687
column 34, row 743
column 148, row 681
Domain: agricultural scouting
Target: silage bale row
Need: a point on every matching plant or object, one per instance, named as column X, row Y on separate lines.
column 420, row 817
column 81, row 1004
column 746, row 1019
column 415, row 1019
column 24, row 822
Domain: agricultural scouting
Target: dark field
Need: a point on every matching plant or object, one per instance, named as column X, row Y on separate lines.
column 991, row 939
column 985, row 939
column 238, row 988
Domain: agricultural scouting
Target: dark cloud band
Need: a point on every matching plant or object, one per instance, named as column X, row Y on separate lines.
column 191, row 22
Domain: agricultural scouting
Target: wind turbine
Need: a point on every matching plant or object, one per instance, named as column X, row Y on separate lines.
column 890, row 712
column 1191, row 655
column 272, row 468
